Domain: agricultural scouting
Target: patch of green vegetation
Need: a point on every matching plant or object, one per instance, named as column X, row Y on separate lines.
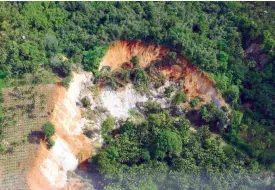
column 162, row 150
column 49, row 131
column 194, row 102
column 107, row 126
column 86, row 102
column 179, row 97
column 66, row 81
column 2, row 85
column 92, row 58
column 168, row 91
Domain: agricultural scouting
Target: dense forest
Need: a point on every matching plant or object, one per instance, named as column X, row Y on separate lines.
column 234, row 42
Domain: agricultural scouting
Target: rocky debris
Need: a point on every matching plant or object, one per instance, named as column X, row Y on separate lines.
column 59, row 161
column 118, row 103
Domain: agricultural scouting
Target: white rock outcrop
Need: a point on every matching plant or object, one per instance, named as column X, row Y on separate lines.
column 59, row 161
column 119, row 103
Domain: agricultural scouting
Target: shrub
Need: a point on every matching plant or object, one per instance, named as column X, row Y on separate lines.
column 168, row 90
column 194, row 102
column 86, row 102
column 125, row 75
column 107, row 126
column 51, row 142
column 178, row 98
column 152, row 107
column 170, row 58
column 3, row 149
column 135, row 61
column 66, row 81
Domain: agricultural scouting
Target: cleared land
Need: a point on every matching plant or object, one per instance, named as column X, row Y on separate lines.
column 24, row 110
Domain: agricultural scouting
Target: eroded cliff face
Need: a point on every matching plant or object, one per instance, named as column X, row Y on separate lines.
column 71, row 145
column 195, row 83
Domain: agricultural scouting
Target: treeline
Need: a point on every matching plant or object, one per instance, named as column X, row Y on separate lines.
column 213, row 35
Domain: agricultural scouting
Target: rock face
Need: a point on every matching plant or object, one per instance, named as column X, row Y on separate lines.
column 195, row 83
column 118, row 103
column 71, row 145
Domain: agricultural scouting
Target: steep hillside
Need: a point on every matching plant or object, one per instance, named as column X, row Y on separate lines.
column 195, row 81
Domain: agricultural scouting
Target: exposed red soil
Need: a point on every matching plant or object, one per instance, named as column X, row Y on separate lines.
column 79, row 144
column 195, row 83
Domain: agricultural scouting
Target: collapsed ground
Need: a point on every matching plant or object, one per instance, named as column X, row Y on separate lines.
column 149, row 122
column 232, row 41
column 154, row 115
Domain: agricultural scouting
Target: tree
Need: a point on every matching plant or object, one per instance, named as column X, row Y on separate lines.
column 92, row 58
column 178, row 98
column 107, row 167
column 168, row 143
column 236, row 117
column 139, row 76
column 232, row 94
column 63, row 68
column 212, row 114
column 48, row 129
column 107, row 126
column 50, row 43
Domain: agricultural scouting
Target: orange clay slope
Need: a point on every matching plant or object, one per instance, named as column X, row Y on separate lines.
column 195, row 83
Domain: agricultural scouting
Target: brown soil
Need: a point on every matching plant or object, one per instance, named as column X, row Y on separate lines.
column 35, row 178
column 195, row 83
column 122, row 51
column 79, row 144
